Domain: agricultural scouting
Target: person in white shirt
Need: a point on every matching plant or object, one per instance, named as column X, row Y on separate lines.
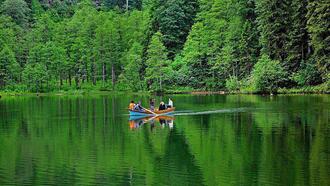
column 170, row 103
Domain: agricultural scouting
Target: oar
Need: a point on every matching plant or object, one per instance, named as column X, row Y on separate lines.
column 150, row 111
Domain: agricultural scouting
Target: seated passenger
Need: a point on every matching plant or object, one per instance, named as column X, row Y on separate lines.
column 152, row 104
column 162, row 106
column 131, row 105
column 138, row 107
column 170, row 103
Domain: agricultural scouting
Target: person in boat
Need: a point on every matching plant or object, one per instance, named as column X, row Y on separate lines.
column 170, row 103
column 162, row 106
column 138, row 107
column 131, row 105
column 152, row 104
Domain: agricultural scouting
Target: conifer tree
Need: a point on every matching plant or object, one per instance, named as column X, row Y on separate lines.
column 297, row 46
column 273, row 20
column 156, row 62
column 318, row 25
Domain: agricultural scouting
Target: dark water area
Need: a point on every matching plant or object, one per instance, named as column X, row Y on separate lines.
column 210, row 140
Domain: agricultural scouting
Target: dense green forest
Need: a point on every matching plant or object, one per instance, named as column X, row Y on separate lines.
column 157, row 45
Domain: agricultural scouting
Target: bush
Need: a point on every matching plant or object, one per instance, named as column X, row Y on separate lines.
column 267, row 74
column 233, row 84
column 307, row 75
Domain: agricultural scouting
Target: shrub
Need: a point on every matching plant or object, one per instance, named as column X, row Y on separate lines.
column 267, row 74
column 307, row 75
column 233, row 84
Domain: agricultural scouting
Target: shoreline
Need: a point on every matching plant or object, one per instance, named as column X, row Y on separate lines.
column 197, row 92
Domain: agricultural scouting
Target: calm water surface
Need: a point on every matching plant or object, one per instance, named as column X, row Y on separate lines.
column 212, row 140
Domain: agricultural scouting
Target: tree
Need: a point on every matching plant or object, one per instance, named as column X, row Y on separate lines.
column 9, row 68
column 175, row 21
column 248, row 44
column 18, row 10
column 156, row 63
column 107, row 44
column 35, row 75
column 273, row 20
column 131, row 74
column 318, row 25
column 297, row 47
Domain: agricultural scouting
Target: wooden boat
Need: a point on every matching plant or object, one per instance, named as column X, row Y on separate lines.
column 154, row 113
column 147, row 118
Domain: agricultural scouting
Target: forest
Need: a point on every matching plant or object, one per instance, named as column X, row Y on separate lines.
column 164, row 45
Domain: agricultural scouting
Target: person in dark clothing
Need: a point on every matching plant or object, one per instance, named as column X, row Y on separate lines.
column 152, row 104
column 162, row 106
column 138, row 107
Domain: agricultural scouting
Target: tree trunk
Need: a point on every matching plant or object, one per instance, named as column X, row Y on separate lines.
column 77, row 81
column 93, row 73
column 70, row 79
column 103, row 73
column 61, row 81
column 113, row 75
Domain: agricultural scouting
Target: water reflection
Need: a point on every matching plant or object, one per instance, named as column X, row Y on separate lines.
column 85, row 140
column 154, row 121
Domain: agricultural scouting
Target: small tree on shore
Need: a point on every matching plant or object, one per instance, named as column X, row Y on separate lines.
column 267, row 74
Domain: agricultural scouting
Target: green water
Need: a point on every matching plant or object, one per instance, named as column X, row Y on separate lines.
column 214, row 140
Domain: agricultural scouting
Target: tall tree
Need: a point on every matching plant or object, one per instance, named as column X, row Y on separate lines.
column 156, row 62
column 273, row 20
column 107, row 40
column 248, row 49
column 297, row 46
column 175, row 21
column 318, row 25
column 131, row 74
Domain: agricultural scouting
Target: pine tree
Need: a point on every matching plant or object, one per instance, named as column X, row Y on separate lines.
column 297, row 46
column 175, row 21
column 248, row 49
column 318, row 25
column 273, row 20
column 156, row 63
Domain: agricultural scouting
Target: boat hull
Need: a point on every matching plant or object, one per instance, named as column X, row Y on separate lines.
column 156, row 112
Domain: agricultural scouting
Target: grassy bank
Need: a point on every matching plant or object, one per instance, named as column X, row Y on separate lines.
column 320, row 89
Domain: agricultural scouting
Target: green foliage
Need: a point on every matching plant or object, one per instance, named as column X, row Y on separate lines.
column 35, row 76
column 157, row 63
column 18, row 10
column 9, row 68
column 267, row 74
column 233, row 84
column 318, row 26
column 273, row 20
column 308, row 74
column 175, row 20
column 297, row 47
column 131, row 75
column 159, row 44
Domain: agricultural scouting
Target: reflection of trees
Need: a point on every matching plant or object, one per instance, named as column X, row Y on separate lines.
column 86, row 140
column 173, row 162
column 269, row 146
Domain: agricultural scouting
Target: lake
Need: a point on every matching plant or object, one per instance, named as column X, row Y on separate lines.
column 210, row 140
